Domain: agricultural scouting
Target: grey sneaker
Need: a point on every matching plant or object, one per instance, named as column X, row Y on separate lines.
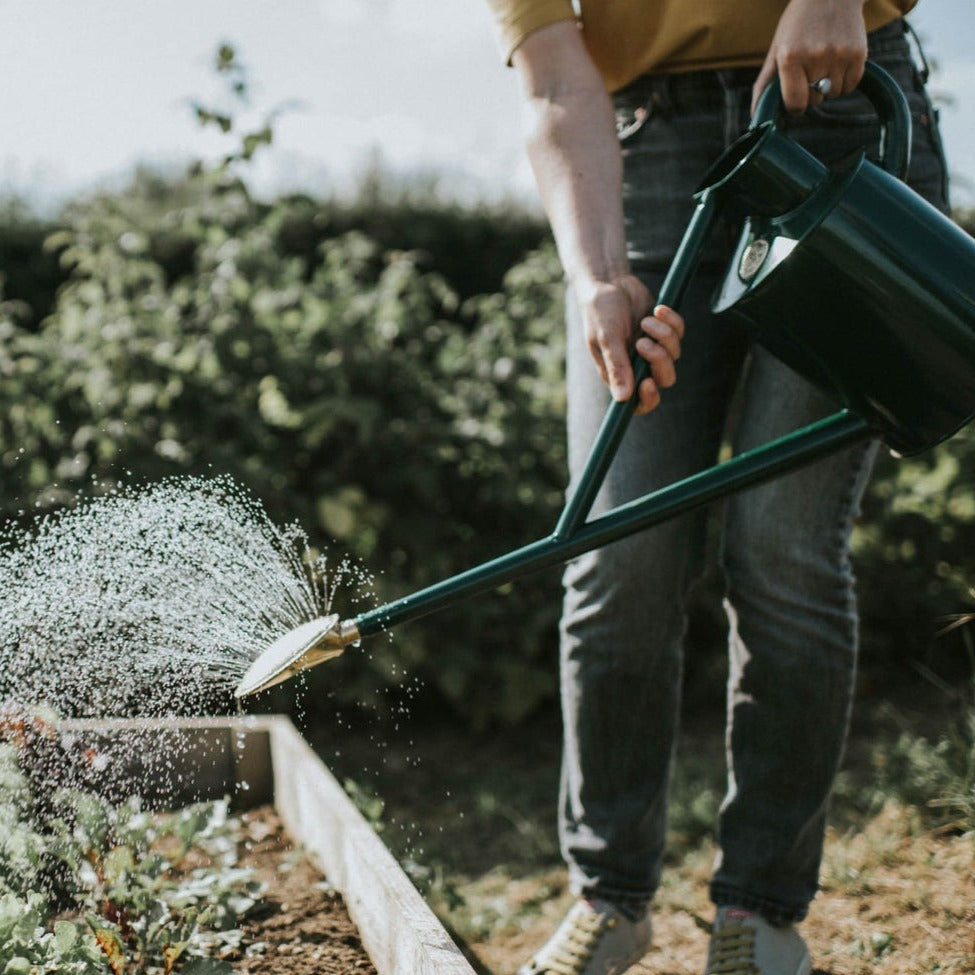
column 593, row 939
column 743, row 943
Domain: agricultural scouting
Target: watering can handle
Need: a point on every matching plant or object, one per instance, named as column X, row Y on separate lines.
column 885, row 96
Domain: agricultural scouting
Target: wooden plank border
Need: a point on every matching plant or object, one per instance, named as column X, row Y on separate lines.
column 259, row 759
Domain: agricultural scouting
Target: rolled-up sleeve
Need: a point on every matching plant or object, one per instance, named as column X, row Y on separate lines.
column 514, row 20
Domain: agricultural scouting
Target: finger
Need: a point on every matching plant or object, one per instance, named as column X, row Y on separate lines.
column 834, row 88
column 851, row 76
column 661, row 364
column 649, row 398
column 795, row 87
column 663, row 333
column 596, row 354
column 673, row 318
column 618, row 373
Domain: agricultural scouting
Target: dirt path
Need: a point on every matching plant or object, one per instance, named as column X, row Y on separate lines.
column 894, row 902
column 472, row 819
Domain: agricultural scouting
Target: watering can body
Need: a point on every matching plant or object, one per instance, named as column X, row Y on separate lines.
column 852, row 279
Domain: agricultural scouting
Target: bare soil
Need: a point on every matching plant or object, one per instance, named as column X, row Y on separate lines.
column 303, row 927
column 895, row 901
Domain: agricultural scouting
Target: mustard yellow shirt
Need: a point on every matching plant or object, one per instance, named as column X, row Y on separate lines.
column 628, row 38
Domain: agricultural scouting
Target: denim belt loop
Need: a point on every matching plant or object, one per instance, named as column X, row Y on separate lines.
column 736, row 87
column 661, row 93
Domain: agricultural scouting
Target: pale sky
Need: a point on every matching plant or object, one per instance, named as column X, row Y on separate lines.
column 92, row 86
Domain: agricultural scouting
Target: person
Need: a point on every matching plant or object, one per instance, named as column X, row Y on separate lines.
column 628, row 103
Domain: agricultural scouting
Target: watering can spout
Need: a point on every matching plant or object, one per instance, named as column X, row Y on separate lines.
column 305, row 646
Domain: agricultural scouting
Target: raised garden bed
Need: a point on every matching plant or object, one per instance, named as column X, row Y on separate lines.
column 264, row 760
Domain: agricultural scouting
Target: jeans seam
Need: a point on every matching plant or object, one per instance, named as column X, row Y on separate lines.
column 933, row 134
column 845, row 512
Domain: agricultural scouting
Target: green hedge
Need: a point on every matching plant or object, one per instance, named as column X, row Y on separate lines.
column 408, row 415
column 29, row 273
column 346, row 385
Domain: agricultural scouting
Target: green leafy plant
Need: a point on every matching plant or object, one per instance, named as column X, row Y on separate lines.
column 89, row 886
column 914, row 551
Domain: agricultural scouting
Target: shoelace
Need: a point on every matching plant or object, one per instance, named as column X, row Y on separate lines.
column 732, row 950
column 579, row 938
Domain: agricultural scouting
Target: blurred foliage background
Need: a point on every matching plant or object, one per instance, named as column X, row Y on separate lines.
column 386, row 371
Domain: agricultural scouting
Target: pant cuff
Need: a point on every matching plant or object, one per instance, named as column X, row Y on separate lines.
column 629, row 903
column 777, row 914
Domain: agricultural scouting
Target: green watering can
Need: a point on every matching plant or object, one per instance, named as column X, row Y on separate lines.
column 852, row 279
column 842, row 272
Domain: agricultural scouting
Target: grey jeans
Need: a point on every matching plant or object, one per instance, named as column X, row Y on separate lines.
column 790, row 594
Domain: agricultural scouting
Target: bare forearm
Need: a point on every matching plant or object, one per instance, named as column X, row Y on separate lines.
column 572, row 146
column 575, row 157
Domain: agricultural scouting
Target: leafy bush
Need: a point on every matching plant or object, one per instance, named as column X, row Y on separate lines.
column 351, row 391
column 30, row 275
column 915, row 556
column 937, row 776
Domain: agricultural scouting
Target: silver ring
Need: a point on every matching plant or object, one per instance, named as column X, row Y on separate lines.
column 824, row 86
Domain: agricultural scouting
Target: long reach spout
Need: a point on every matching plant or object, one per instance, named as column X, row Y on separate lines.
column 322, row 639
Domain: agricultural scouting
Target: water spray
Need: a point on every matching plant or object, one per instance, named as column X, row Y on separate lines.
column 150, row 599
